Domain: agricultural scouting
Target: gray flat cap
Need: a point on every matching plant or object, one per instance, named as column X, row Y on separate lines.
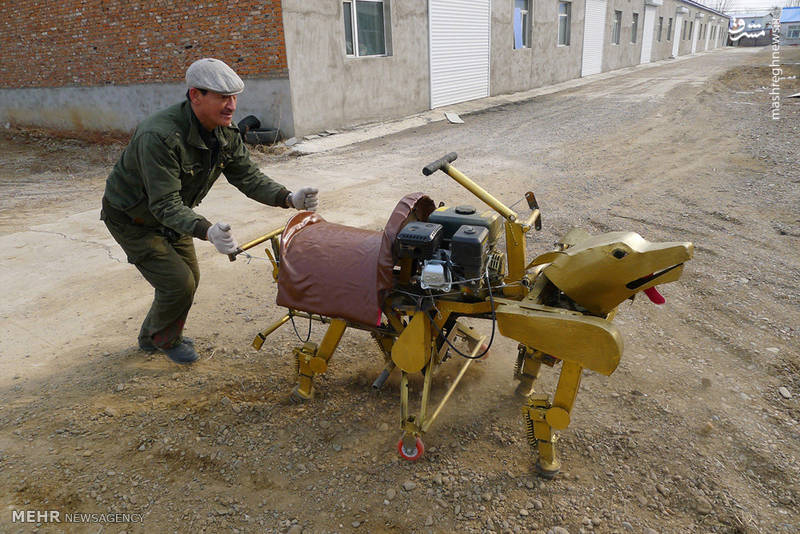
column 213, row 75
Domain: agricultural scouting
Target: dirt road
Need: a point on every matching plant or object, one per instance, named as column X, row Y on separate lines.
column 692, row 433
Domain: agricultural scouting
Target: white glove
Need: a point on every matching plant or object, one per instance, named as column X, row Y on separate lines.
column 304, row 199
column 220, row 236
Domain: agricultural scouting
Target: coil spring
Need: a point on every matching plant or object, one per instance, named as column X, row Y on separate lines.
column 532, row 441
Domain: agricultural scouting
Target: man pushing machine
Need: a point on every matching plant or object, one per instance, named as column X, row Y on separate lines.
column 170, row 164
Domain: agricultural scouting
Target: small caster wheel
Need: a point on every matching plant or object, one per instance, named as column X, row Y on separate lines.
column 485, row 351
column 411, row 454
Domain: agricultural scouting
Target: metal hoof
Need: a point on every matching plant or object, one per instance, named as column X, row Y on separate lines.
column 548, row 474
column 298, row 398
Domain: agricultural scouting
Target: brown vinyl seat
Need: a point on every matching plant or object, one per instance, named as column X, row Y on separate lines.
column 340, row 271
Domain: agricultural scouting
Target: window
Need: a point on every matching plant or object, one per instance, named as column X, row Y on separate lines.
column 683, row 31
column 564, row 19
column 616, row 27
column 794, row 32
column 522, row 24
column 691, row 29
column 660, row 27
column 634, row 27
column 669, row 30
column 365, row 27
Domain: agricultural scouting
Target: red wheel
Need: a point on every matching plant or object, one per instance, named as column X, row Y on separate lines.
column 413, row 454
column 485, row 351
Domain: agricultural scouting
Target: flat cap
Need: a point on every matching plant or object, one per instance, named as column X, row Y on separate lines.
column 213, row 75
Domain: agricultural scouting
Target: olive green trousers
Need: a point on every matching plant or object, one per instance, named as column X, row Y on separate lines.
column 169, row 265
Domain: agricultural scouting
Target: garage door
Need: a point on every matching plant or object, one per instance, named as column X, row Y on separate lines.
column 594, row 28
column 459, row 50
column 647, row 34
column 676, row 37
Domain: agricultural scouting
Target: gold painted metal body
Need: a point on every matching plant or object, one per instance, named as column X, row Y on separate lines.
column 559, row 307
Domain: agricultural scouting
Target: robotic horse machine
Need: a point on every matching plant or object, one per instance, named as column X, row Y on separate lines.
column 410, row 284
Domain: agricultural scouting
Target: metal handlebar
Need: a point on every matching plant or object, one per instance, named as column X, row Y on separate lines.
column 254, row 242
column 439, row 164
column 443, row 164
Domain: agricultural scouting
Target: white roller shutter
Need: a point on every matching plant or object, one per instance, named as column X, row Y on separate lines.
column 459, row 50
column 647, row 33
column 676, row 35
column 594, row 30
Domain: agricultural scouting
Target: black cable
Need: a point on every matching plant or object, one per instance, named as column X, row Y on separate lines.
column 491, row 338
column 308, row 336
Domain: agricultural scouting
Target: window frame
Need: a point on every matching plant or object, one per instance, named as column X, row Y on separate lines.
column 567, row 25
column 793, row 28
column 527, row 24
column 634, row 27
column 386, row 31
column 683, row 31
column 616, row 27
column 669, row 30
column 660, row 28
column 691, row 30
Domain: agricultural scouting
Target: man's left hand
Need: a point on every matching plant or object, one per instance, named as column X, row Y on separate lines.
column 304, row 199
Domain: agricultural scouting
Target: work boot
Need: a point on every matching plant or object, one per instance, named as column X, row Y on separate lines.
column 183, row 352
column 147, row 345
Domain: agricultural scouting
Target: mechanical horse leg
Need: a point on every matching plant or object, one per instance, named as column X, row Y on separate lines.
column 312, row 361
column 542, row 417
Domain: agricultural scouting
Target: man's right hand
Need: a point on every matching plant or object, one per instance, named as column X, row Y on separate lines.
column 220, row 236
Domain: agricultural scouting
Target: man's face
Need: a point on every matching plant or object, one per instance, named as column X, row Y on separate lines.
column 212, row 109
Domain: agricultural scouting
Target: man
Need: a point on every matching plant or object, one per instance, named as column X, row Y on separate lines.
column 171, row 162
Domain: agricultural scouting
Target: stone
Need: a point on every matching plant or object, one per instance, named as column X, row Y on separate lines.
column 703, row 506
column 391, row 493
column 627, row 526
column 409, row 485
column 356, row 524
column 785, row 393
column 111, row 412
column 296, row 529
column 429, row 521
column 537, row 504
column 560, row 530
column 524, row 513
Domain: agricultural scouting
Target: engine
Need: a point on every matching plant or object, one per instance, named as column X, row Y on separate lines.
column 454, row 250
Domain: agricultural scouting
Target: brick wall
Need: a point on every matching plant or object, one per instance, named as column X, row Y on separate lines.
column 115, row 42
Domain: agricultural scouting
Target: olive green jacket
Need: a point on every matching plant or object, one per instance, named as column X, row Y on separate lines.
column 167, row 169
